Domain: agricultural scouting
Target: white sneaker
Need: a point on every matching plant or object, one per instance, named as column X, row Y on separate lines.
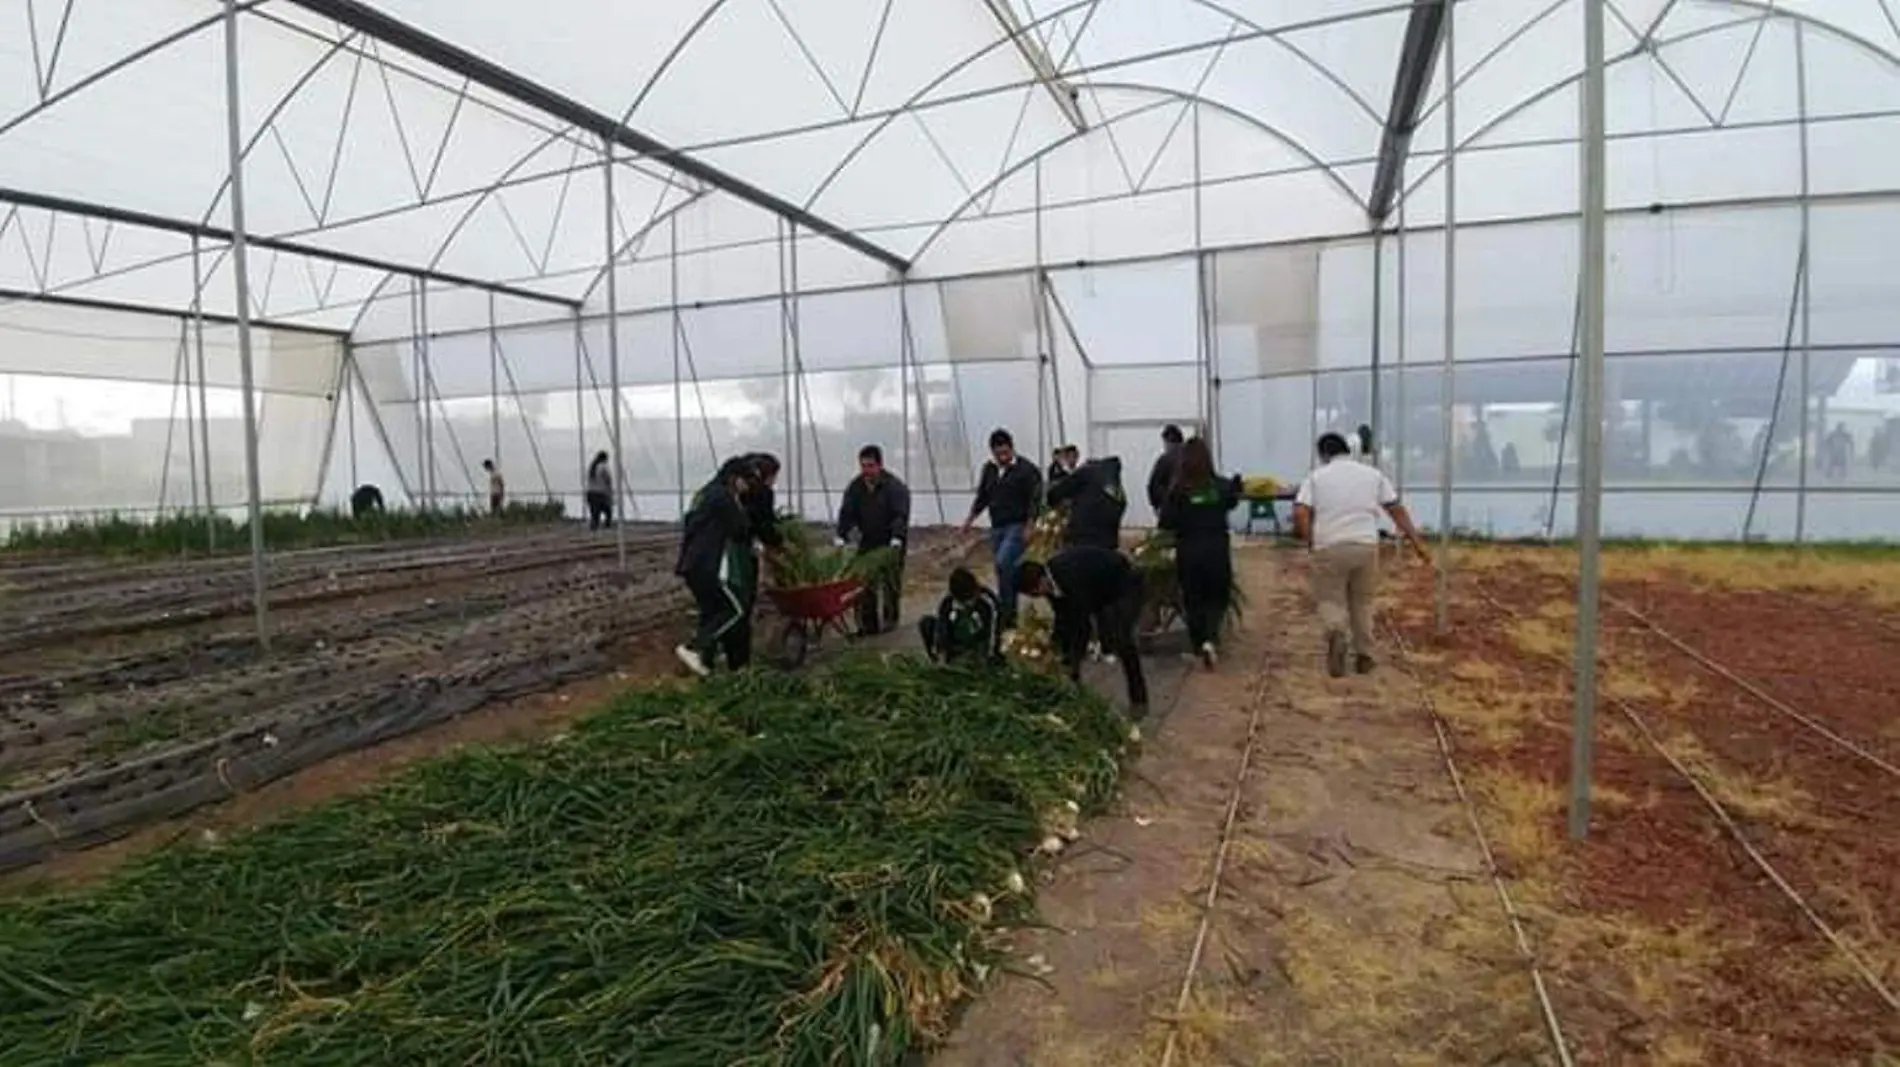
column 1095, row 651
column 1210, row 655
column 692, row 661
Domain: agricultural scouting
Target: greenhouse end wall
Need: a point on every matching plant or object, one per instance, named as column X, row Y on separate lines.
column 1752, row 389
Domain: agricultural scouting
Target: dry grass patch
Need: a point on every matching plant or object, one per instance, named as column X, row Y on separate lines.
column 1874, row 579
column 1490, row 718
column 1538, row 637
column 1522, row 816
column 1776, row 800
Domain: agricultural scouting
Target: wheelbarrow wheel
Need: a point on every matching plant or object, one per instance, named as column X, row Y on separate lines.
column 794, row 643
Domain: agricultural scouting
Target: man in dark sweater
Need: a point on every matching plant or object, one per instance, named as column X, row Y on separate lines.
column 876, row 507
column 1010, row 489
column 1161, row 476
column 1089, row 585
column 1096, row 502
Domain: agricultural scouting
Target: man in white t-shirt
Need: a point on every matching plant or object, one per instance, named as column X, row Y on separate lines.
column 1336, row 513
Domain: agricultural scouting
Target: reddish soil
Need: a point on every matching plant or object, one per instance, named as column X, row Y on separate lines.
column 1755, row 982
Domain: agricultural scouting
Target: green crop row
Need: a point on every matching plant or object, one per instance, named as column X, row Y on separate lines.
column 763, row 869
column 180, row 534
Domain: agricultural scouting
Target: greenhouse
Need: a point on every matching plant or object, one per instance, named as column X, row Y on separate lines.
column 1077, row 221
column 388, row 385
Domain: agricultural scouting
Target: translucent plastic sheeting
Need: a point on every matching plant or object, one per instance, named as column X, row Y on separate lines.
column 41, row 338
column 1142, row 313
column 83, row 445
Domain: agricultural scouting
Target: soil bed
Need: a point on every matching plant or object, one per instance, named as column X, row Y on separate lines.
column 1663, row 942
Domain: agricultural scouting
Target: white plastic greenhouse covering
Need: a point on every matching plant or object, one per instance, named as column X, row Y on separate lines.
column 908, row 222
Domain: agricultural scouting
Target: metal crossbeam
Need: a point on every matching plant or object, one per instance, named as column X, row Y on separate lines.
column 1417, row 58
column 67, row 206
column 450, row 57
column 25, row 296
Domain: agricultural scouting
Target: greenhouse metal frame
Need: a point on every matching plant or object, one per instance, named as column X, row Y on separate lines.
column 676, row 230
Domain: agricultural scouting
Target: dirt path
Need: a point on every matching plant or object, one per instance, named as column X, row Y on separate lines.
column 1354, row 922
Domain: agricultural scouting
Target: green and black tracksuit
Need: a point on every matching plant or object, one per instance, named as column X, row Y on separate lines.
column 963, row 631
column 721, row 571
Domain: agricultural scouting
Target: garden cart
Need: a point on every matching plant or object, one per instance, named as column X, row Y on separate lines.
column 808, row 611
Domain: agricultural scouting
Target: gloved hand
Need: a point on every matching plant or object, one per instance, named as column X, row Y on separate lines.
column 897, row 543
column 839, row 542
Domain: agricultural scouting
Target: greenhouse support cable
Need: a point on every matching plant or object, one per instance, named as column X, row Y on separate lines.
column 1256, row 701
column 1545, row 1007
column 1728, row 823
column 1563, row 426
column 1754, row 690
column 1781, row 388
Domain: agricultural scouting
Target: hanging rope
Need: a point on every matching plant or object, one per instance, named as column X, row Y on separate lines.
column 1563, row 427
column 1781, row 388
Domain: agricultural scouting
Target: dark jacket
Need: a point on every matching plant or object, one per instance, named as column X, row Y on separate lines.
column 970, row 631
column 878, row 513
column 1201, row 514
column 715, row 524
column 1161, row 477
column 1090, row 582
column 1012, row 497
column 1096, row 503
column 761, row 511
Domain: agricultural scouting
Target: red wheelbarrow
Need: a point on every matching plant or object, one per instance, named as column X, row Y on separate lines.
column 810, row 610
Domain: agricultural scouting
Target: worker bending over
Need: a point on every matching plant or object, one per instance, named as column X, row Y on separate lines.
column 1088, row 585
column 1093, row 494
column 876, row 509
column 720, row 569
column 965, row 631
column 1336, row 513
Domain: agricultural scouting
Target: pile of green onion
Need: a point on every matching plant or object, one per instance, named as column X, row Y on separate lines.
column 763, row 869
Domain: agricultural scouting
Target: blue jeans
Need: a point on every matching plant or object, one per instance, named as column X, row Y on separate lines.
column 1007, row 545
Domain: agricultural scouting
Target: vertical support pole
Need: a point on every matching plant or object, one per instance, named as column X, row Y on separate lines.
column 240, row 265
column 801, row 406
column 1203, row 305
column 613, row 349
column 494, row 386
column 1590, row 465
column 204, row 412
column 1042, row 332
column 350, row 379
column 1404, row 413
column 422, row 401
column 1447, row 390
column 679, row 396
column 1377, row 419
column 788, row 404
column 191, row 418
column 580, row 407
column 429, row 392
column 903, row 384
column 1806, row 281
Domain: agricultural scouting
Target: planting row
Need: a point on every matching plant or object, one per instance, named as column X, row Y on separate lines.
column 765, row 869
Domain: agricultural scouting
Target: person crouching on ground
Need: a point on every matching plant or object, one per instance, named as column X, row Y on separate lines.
column 1088, row 585
column 876, row 508
column 1195, row 511
column 964, row 630
column 1010, row 489
column 717, row 562
column 1336, row 513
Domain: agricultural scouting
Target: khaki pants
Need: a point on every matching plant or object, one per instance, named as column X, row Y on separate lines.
column 1344, row 580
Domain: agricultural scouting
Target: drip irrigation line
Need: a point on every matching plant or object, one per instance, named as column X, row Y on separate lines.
column 1545, row 1006
column 1734, row 830
column 1754, row 690
column 1256, row 701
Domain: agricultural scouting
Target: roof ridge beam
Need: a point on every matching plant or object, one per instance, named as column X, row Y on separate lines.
column 1040, row 65
column 451, row 57
column 1424, row 35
